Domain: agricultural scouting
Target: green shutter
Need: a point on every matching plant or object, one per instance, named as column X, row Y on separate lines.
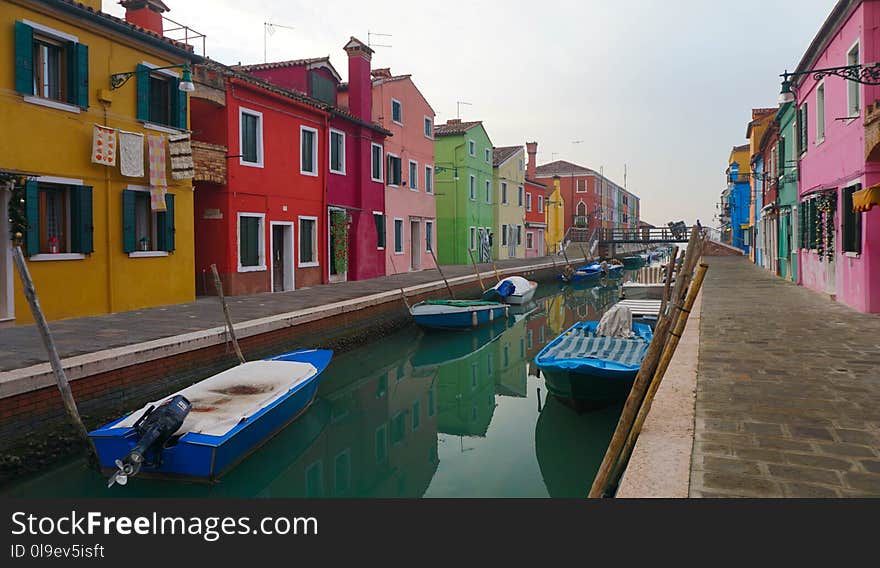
column 165, row 225
column 178, row 105
column 249, row 241
column 182, row 100
column 24, row 59
column 781, row 150
column 128, row 221
column 143, row 93
column 380, row 229
column 82, row 228
column 82, row 71
column 32, row 212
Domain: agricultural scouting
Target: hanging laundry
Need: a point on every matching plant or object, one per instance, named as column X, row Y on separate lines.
column 156, row 144
column 157, row 197
column 104, row 146
column 180, row 150
column 131, row 154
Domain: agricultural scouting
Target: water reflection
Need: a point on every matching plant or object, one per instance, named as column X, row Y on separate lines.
column 418, row 413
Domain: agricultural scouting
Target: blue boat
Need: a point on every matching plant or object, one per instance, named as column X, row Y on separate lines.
column 582, row 366
column 457, row 314
column 206, row 429
column 593, row 272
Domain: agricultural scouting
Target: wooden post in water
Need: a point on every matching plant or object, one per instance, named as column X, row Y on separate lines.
column 30, row 293
column 402, row 293
column 437, row 264
column 681, row 319
column 229, row 328
column 584, row 252
column 476, row 270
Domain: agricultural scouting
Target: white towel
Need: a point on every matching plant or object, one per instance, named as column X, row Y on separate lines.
column 104, row 146
column 131, row 154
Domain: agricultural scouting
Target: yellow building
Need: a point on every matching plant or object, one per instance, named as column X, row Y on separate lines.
column 762, row 118
column 94, row 243
column 509, row 178
column 555, row 218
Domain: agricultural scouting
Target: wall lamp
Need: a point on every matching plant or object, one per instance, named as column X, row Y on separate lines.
column 186, row 85
column 864, row 74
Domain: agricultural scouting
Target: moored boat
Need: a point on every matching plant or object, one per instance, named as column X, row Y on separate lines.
column 514, row 290
column 632, row 260
column 581, row 365
column 452, row 314
column 206, row 429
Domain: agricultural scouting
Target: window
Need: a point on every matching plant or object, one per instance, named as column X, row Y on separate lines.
column 852, row 222
column 530, row 240
column 337, row 152
column 853, row 94
column 251, row 242
column 820, row 113
column 528, row 202
column 394, row 173
column 398, row 428
column 472, row 187
column 802, row 128
column 376, row 171
column 396, row 111
column 520, row 197
column 379, row 219
column 473, row 238
column 521, row 167
column 519, row 235
column 429, row 236
column 54, row 218
column 488, row 155
column 52, row 66
column 381, row 444
column 59, row 218
column 315, row 480
column 504, row 235
column 429, row 179
column 413, row 175
column 160, row 101
column 308, row 151
column 429, row 127
column 342, row 472
column 251, row 137
column 472, row 148
column 398, row 236
column 540, row 204
column 308, row 241
column 143, row 229
column 581, row 186
column 488, row 191
column 504, row 192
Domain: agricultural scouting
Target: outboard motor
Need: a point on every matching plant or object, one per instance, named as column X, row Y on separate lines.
column 154, row 429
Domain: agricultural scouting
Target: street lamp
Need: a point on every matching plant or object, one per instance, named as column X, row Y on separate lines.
column 117, row 80
column 868, row 74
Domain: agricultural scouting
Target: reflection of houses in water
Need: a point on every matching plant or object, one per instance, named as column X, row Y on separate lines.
column 510, row 350
column 381, row 439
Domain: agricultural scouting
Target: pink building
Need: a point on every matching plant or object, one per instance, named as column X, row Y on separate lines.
column 839, row 249
column 410, row 211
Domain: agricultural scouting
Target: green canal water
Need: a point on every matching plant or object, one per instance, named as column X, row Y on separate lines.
column 416, row 414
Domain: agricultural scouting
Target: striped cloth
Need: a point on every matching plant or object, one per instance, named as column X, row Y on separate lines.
column 180, row 150
column 582, row 344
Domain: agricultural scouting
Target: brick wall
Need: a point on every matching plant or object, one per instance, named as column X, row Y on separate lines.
column 712, row 248
column 210, row 162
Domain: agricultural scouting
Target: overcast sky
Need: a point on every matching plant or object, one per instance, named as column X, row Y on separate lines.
column 663, row 86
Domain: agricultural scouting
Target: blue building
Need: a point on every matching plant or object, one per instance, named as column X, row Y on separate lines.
column 736, row 199
column 758, row 236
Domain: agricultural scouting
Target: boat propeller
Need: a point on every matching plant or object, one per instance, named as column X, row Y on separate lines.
column 126, row 470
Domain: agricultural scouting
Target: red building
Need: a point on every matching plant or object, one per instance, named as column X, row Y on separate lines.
column 260, row 156
column 536, row 216
column 355, row 208
column 581, row 190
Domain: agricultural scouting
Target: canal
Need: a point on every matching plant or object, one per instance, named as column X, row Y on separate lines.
column 417, row 414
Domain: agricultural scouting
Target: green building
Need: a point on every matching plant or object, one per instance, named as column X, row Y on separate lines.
column 788, row 192
column 463, row 178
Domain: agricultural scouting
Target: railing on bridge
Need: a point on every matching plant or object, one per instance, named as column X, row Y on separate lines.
column 677, row 234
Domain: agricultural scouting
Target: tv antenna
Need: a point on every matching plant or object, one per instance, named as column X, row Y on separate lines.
column 371, row 35
column 269, row 29
column 458, row 107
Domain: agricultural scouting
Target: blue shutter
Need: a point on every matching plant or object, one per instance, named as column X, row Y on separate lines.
column 82, row 75
column 165, row 222
column 128, row 221
column 82, row 229
column 143, row 93
column 24, row 59
column 32, row 213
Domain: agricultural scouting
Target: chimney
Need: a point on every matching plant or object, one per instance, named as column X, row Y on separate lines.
column 360, row 85
column 145, row 13
column 384, row 73
column 532, row 149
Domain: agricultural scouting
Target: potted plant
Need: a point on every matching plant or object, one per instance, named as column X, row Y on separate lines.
column 144, row 244
column 54, row 247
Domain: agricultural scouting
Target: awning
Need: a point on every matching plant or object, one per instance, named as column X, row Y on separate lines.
column 865, row 199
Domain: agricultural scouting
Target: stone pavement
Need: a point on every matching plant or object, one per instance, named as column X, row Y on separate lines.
column 20, row 346
column 788, row 392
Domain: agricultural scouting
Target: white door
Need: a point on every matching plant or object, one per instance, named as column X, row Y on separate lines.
column 511, row 241
column 415, row 251
column 541, row 250
column 282, row 257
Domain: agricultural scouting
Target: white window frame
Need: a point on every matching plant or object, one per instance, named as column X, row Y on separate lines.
column 849, row 103
column 488, row 191
column 314, row 132
column 400, row 104
column 330, row 152
column 429, row 123
column 473, row 238
column 472, row 187
column 488, row 155
column 413, row 182
column 262, row 240
column 241, row 112
column 472, row 148
column 299, row 262
column 541, row 204
column 387, row 155
column 381, row 177
column 820, row 114
column 429, row 179
column 429, row 235
column 402, row 250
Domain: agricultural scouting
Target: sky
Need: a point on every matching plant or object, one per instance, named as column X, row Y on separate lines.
column 660, row 88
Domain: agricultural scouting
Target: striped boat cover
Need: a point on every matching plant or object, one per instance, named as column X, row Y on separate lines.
column 583, row 344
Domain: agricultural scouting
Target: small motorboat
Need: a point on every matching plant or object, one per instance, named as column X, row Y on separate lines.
column 514, row 290
column 206, row 429
column 457, row 314
column 632, row 261
column 581, row 365
column 592, row 272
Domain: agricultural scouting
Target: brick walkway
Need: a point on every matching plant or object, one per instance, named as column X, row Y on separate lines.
column 788, row 393
column 21, row 346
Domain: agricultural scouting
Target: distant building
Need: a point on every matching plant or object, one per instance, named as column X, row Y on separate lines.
column 536, row 214
column 736, row 198
column 508, row 166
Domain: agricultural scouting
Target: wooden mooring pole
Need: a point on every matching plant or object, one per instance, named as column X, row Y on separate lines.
column 30, row 293
column 229, row 328
column 437, row 264
column 476, row 270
